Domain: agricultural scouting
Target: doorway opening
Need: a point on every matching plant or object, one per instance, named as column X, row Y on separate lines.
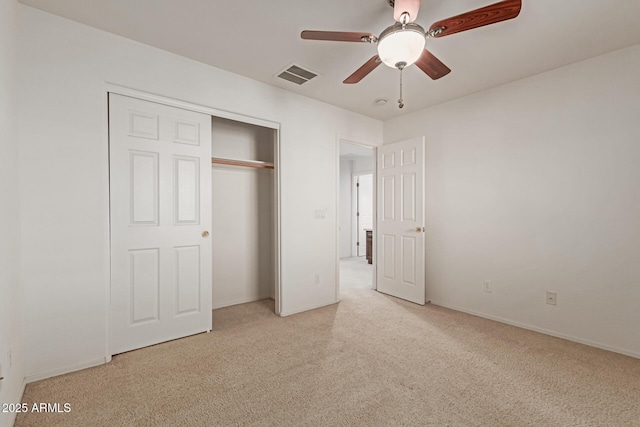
column 243, row 183
column 357, row 213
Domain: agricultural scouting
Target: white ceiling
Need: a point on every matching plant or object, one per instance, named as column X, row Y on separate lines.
column 258, row 39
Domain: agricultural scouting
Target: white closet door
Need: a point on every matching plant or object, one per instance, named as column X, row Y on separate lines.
column 400, row 219
column 160, row 195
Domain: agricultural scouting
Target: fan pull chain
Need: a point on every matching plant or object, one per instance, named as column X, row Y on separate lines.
column 400, row 101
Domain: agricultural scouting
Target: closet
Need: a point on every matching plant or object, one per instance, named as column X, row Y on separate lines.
column 193, row 216
column 243, row 182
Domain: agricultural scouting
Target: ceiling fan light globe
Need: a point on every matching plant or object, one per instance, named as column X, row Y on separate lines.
column 401, row 44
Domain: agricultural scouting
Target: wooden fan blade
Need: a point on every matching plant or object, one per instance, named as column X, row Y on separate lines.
column 336, row 36
column 432, row 66
column 501, row 11
column 410, row 6
column 363, row 71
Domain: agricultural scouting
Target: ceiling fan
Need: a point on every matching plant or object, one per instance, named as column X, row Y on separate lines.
column 403, row 43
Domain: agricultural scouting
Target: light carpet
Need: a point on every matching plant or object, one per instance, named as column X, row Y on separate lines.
column 371, row 360
column 355, row 273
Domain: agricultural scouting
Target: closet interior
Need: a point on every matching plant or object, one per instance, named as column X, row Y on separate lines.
column 244, row 212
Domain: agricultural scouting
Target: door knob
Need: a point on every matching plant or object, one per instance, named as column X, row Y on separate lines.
column 205, row 234
column 419, row 229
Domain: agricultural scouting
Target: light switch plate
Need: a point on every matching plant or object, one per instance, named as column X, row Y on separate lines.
column 486, row 286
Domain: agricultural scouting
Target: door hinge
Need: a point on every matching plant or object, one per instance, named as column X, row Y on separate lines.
column 357, row 243
column 357, row 184
column 357, row 213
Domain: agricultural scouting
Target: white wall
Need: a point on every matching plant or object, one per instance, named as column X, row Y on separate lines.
column 363, row 165
column 363, row 203
column 237, row 140
column 64, row 177
column 535, row 186
column 243, row 222
column 346, row 166
column 11, row 357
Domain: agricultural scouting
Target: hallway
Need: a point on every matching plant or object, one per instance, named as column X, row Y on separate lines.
column 355, row 273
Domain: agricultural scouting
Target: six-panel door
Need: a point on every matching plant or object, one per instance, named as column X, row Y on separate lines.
column 400, row 220
column 160, row 195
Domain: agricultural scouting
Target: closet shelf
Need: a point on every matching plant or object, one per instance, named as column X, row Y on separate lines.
column 246, row 163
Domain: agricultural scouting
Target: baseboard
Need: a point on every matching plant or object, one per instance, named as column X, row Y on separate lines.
column 13, row 415
column 307, row 308
column 237, row 301
column 542, row 330
column 24, row 386
column 65, row 370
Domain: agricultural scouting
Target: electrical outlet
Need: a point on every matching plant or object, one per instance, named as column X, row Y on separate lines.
column 317, row 278
column 486, row 286
column 551, row 298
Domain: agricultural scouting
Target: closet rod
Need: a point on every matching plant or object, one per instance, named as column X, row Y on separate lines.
column 246, row 163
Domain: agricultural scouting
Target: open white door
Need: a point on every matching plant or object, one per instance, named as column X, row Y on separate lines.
column 160, row 195
column 400, row 219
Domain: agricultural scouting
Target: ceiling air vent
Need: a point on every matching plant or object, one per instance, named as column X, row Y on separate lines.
column 296, row 74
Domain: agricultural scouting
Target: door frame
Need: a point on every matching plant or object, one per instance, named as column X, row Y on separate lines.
column 374, row 151
column 147, row 96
